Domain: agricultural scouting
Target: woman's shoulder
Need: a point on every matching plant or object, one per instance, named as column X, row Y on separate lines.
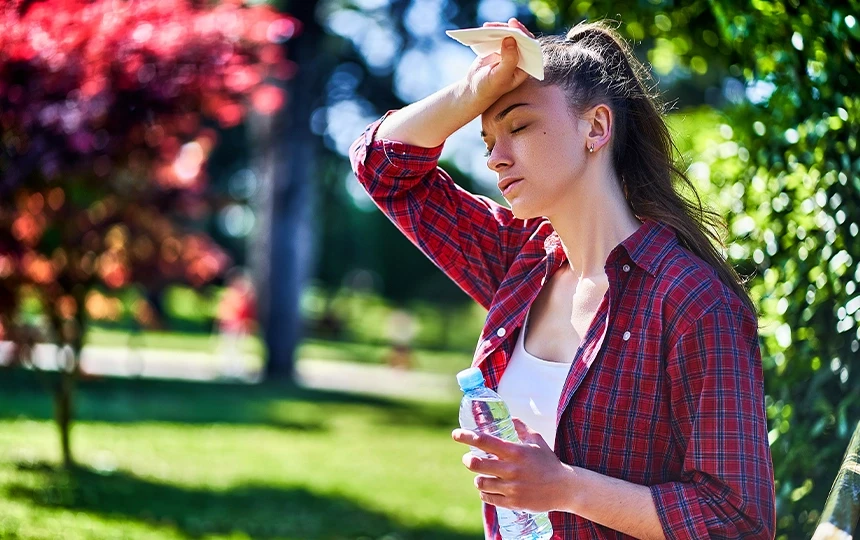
column 691, row 288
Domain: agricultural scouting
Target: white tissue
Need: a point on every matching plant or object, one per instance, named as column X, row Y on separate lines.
column 488, row 40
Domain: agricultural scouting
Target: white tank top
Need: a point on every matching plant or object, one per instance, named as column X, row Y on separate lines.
column 531, row 387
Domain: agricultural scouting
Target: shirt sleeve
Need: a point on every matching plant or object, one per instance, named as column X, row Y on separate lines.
column 718, row 416
column 473, row 239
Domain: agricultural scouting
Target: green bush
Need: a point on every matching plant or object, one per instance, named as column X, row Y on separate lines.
column 792, row 185
column 781, row 162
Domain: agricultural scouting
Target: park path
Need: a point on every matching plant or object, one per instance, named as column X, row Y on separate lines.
column 205, row 366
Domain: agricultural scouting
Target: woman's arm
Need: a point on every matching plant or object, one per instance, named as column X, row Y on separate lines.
column 614, row 503
column 716, row 392
column 473, row 239
column 430, row 121
column 725, row 488
column 529, row 476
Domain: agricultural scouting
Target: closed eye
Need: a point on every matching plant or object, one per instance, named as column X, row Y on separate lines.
column 490, row 150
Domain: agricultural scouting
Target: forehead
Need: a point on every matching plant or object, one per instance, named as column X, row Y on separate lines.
column 535, row 95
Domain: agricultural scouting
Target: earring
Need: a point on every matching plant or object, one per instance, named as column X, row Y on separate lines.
column 591, row 149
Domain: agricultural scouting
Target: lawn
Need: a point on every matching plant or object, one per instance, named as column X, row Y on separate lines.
column 434, row 361
column 175, row 460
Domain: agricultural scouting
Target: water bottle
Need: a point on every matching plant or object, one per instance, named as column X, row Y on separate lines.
column 483, row 411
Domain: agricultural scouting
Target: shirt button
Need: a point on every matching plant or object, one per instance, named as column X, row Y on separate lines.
column 626, row 336
column 626, row 267
column 501, row 332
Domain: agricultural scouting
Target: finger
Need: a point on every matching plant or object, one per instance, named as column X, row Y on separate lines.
column 527, row 434
column 523, row 431
column 520, row 26
column 494, row 499
column 517, row 24
column 519, row 77
column 509, row 45
column 487, row 443
column 512, row 23
column 490, row 484
column 510, row 57
column 490, row 60
column 486, row 465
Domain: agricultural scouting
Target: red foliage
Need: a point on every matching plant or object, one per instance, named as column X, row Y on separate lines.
column 102, row 149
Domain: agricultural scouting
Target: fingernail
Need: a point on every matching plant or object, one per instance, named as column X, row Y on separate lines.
column 509, row 43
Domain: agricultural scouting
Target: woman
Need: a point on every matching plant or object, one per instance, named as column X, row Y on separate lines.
column 614, row 327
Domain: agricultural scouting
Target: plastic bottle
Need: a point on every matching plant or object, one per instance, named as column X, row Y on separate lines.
column 483, row 411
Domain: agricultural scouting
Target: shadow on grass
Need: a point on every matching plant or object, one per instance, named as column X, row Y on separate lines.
column 259, row 511
column 24, row 394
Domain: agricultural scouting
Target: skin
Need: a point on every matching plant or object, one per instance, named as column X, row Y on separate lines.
column 532, row 134
column 579, row 192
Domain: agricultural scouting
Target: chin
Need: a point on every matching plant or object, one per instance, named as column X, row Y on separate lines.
column 523, row 212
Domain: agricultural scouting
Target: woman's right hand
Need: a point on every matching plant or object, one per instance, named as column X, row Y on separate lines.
column 430, row 121
column 494, row 75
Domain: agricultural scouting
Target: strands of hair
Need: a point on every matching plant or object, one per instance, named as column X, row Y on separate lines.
column 593, row 64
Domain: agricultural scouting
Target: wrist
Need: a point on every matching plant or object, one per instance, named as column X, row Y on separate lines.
column 470, row 101
column 571, row 490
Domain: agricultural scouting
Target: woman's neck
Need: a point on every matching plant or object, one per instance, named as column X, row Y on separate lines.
column 596, row 220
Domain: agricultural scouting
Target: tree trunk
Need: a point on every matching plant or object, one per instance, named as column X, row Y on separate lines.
column 63, row 393
column 282, row 247
column 70, row 342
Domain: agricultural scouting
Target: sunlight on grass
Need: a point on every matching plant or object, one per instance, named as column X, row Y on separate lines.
column 445, row 362
column 179, row 460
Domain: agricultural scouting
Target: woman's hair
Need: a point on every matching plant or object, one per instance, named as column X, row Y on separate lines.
column 594, row 65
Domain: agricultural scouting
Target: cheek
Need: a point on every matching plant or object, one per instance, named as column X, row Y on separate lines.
column 538, row 149
column 553, row 156
column 558, row 143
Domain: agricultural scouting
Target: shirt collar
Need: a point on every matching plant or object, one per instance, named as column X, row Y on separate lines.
column 647, row 247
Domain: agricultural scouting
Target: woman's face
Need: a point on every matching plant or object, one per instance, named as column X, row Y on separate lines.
column 537, row 146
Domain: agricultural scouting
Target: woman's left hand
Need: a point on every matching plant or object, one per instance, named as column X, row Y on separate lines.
column 527, row 476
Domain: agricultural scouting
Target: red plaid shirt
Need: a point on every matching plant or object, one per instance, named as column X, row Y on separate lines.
column 666, row 389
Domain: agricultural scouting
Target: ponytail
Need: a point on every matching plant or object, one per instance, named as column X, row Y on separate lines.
column 593, row 65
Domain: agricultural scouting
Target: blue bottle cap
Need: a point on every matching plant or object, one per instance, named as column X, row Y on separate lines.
column 470, row 378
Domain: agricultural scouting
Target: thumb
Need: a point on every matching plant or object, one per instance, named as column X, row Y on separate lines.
column 527, row 435
column 510, row 55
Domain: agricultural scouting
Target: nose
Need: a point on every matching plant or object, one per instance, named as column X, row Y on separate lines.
column 499, row 159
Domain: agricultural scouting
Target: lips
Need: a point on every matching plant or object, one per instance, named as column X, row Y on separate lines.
column 506, row 183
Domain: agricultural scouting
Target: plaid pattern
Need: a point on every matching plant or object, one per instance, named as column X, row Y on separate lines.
column 666, row 389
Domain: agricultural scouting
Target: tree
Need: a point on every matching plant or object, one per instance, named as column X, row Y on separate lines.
column 782, row 166
column 281, row 249
column 796, row 181
column 785, row 170
column 104, row 105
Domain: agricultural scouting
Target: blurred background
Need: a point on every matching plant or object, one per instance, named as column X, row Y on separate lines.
column 207, row 330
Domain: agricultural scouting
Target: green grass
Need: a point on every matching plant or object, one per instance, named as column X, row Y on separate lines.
column 172, row 341
column 446, row 362
column 173, row 460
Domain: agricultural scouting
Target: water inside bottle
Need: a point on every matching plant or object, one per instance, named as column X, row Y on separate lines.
column 489, row 414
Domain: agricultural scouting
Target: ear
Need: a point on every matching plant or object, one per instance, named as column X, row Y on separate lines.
column 600, row 124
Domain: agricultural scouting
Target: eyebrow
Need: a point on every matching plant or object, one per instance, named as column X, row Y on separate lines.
column 501, row 116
